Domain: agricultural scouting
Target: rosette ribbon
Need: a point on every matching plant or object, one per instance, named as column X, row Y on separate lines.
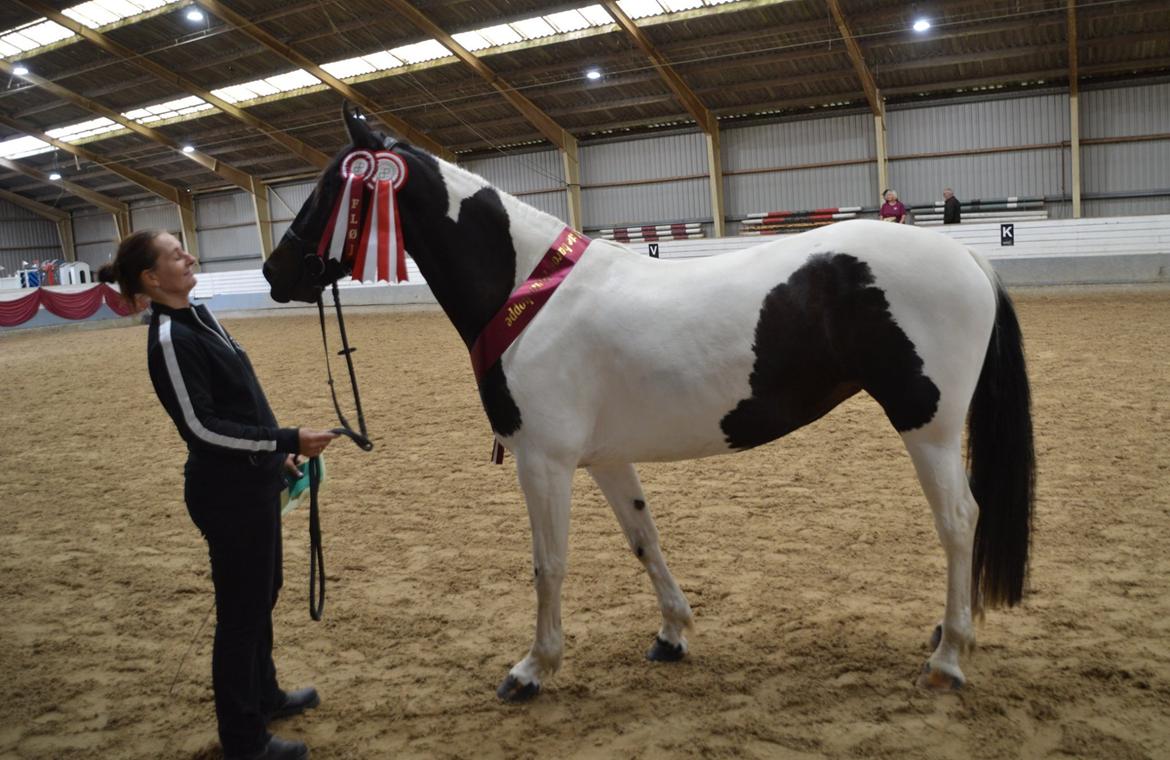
column 381, row 255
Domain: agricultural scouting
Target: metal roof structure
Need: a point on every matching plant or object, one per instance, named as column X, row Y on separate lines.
column 120, row 99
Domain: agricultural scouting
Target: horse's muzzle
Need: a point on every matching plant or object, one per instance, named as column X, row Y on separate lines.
column 293, row 277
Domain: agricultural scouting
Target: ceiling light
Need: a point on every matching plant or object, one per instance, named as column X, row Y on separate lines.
column 194, row 15
column 921, row 25
column 593, row 74
column 20, row 70
column 55, row 176
column 188, row 148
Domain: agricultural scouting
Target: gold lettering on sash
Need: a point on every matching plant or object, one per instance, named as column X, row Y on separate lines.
column 515, row 310
column 537, row 285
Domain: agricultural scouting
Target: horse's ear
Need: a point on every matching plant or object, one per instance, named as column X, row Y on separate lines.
column 359, row 131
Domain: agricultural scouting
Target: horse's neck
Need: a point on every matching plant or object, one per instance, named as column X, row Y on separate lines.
column 532, row 231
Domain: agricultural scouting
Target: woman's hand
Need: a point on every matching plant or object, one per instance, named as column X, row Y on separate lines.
column 291, row 463
column 313, row 442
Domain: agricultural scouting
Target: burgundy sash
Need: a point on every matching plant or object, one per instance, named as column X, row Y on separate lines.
column 526, row 300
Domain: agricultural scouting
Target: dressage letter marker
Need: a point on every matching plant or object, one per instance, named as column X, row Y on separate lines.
column 1007, row 234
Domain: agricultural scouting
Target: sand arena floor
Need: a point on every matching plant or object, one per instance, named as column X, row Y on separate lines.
column 812, row 566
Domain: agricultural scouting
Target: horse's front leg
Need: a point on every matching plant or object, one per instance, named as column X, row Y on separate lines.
column 620, row 485
column 547, row 487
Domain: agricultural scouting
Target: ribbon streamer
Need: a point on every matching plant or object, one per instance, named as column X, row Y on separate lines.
column 338, row 241
column 382, row 236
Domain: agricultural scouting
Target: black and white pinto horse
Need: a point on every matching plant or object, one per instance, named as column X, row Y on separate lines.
column 635, row 359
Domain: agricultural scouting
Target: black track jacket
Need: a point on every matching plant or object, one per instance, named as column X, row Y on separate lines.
column 208, row 386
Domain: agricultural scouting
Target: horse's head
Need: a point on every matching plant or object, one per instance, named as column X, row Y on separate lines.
column 294, row 270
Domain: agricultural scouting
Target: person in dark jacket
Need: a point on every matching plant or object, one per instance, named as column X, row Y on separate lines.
column 236, row 457
column 951, row 208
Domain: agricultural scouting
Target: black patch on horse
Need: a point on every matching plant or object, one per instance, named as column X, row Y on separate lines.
column 821, row 337
column 469, row 264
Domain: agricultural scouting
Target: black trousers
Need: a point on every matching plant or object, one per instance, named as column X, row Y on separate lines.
column 243, row 539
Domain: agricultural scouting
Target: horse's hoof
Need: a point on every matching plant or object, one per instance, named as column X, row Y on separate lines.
column 511, row 690
column 934, row 679
column 664, row 651
column 936, row 637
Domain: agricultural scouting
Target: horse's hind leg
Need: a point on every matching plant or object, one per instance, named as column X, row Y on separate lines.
column 619, row 483
column 547, row 487
column 939, row 463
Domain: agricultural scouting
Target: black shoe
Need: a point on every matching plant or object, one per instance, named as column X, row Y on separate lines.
column 295, row 703
column 279, row 749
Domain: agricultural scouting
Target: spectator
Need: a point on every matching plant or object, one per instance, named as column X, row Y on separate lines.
column 892, row 209
column 951, row 209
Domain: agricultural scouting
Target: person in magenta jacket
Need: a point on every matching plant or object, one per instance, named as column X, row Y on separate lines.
column 892, row 210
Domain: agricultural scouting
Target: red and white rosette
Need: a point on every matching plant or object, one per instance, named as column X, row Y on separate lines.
column 381, row 254
column 339, row 242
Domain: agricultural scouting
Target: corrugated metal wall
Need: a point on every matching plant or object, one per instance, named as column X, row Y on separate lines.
column 156, row 215
column 1126, row 167
column 960, row 128
column 650, row 158
column 283, row 204
column 225, row 224
column 95, row 237
column 536, row 178
column 799, row 143
column 24, row 236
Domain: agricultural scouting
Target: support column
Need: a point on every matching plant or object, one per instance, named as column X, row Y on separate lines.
column 879, row 131
column 573, row 182
column 122, row 225
column 263, row 218
column 1074, row 124
column 65, row 232
column 187, row 222
column 1074, row 114
column 715, row 179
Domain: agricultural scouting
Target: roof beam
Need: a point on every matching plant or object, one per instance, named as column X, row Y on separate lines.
column 706, row 120
column 229, row 16
column 872, row 96
column 553, row 132
column 104, row 202
column 41, row 209
column 230, row 173
column 298, row 148
column 682, row 91
column 161, row 189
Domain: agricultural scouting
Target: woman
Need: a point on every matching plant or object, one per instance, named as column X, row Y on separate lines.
column 236, row 454
column 892, row 210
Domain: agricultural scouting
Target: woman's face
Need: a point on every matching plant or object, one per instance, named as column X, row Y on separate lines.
column 891, row 197
column 173, row 272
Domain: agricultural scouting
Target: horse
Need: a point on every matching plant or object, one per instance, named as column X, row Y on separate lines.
column 636, row 359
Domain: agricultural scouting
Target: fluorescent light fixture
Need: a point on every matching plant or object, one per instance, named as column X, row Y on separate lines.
column 20, row 70
column 55, row 176
column 921, row 25
column 188, row 148
column 194, row 15
column 593, row 74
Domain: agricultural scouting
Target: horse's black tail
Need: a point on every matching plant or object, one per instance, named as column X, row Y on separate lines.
column 1001, row 463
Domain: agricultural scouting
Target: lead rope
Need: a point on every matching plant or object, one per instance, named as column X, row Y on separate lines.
column 316, row 553
column 360, row 437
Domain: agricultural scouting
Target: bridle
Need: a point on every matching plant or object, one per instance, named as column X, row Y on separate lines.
column 316, row 268
column 322, row 268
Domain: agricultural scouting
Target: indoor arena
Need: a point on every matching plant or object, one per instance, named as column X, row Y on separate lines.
column 874, row 297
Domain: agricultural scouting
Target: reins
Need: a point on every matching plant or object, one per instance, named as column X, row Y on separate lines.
column 359, row 436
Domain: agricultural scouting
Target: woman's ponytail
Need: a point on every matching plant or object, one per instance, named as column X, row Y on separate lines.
column 136, row 254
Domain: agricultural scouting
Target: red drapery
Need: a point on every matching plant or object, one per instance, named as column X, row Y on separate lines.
column 76, row 305
column 20, row 310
